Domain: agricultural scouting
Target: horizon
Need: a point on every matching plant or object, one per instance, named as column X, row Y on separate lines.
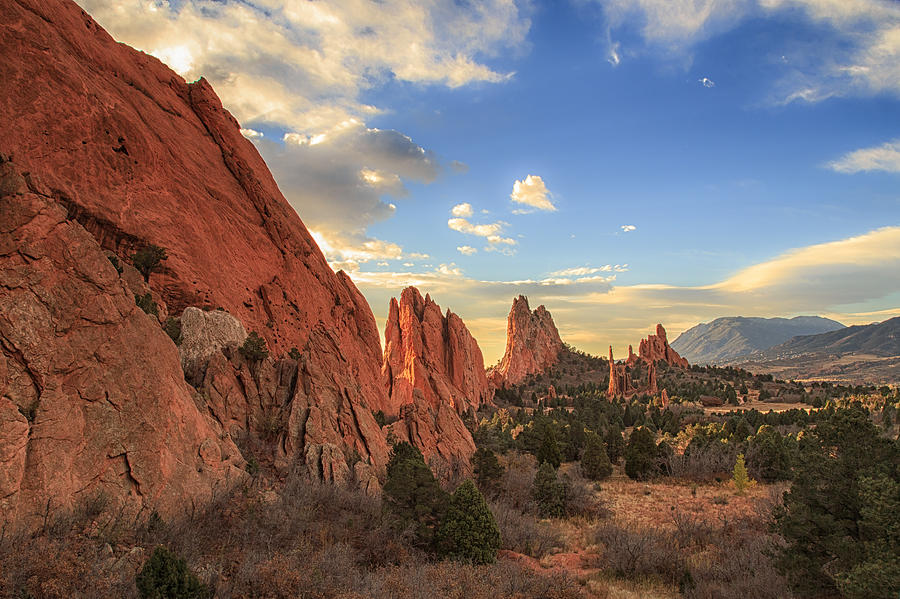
column 623, row 164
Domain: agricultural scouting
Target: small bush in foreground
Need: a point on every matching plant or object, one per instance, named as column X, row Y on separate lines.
column 469, row 532
column 166, row 576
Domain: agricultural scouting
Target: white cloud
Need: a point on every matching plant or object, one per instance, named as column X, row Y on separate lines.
column 627, row 228
column 885, row 157
column 532, row 192
column 706, row 82
column 462, row 210
column 303, row 67
column 613, row 57
column 466, row 250
column 859, row 53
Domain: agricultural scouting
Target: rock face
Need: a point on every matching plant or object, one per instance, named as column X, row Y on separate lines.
column 433, row 372
column 92, row 397
column 619, row 379
column 656, row 347
column 203, row 335
column 432, row 352
column 132, row 155
column 532, row 344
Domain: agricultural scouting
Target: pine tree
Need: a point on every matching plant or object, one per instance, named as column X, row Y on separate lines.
column 166, row 576
column 615, row 443
column 148, row 259
column 548, row 451
column 469, row 531
column 742, row 480
column 412, row 496
column 487, row 469
column 641, row 454
column 595, row 464
column 550, row 493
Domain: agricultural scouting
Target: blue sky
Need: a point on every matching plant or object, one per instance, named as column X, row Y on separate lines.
column 751, row 149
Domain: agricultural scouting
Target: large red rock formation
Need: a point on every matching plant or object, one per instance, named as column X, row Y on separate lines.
column 135, row 155
column 433, row 352
column 92, row 395
column 656, row 347
column 532, row 344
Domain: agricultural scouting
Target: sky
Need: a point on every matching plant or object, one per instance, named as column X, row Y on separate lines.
column 623, row 162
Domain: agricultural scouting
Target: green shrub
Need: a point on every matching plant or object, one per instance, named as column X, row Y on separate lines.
column 615, row 443
column 412, row 496
column 294, row 354
column 145, row 302
column 768, row 456
column 550, row 493
column 641, row 455
column 487, row 469
column 148, row 259
column 166, row 576
column 172, row 327
column 548, row 451
column 595, row 464
column 469, row 531
column 380, row 418
column 254, row 348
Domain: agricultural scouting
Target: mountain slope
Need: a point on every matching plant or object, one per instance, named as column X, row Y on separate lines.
column 879, row 339
column 725, row 339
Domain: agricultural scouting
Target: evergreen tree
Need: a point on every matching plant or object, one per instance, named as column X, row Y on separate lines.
column 595, row 464
column 166, row 576
column 550, row 493
column 840, row 520
column 641, row 454
column 615, row 443
column 254, row 348
column 411, row 494
column 548, row 451
column 768, row 456
column 469, row 531
column 487, row 469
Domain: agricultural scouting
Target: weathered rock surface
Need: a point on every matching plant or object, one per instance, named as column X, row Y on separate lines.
column 136, row 155
column 656, row 347
column 432, row 352
column 532, row 344
column 204, row 334
column 619, row 378
column 92, row 397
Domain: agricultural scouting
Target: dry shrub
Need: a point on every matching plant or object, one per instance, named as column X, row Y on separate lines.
column 738, row 568
column 704, row 464
column 515, row 485
column 638, row 554
column 524, row 533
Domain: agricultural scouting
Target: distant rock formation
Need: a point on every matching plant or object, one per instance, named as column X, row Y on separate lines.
column 92, row 396
column 619, row 379
column 433, row 352
column 532, row 344
column 656, row 347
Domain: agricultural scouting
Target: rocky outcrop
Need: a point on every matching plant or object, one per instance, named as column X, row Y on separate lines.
column 92, row 397
column 619, row 378
column 133, row 155
column 203, row 335
column 655, row 348
column 432, row 352
column 532, row 344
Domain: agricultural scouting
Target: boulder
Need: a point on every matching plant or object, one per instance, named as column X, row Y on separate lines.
column 204, row 334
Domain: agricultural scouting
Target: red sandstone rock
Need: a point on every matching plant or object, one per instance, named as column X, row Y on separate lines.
column 431, row 352
column 136, row 156
column 532, row 344
column 664, row 398
column 656, row 347
column 619, row 379
column 93, row 396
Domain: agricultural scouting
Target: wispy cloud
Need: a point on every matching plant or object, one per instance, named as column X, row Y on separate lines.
column 706, row 82
column 885, row 157
column 533, row 193
column 628, row 228
column 863, row 54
